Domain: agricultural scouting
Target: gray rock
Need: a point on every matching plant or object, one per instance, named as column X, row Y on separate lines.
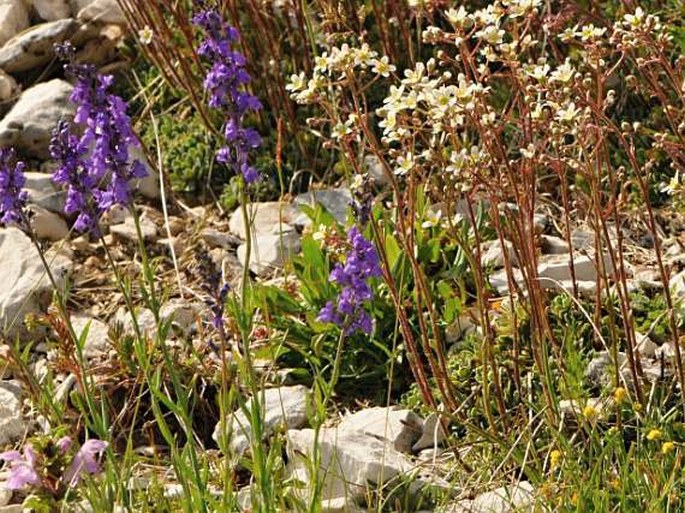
column 518, row 498
column 51, row 10
column 148, row 186
column 43, row 192
column 26, row 286
column 601, row 369
column 550, row 245
column 677, row 285
column 48, row 225
column 350, row 463
column 493, row 255
column 265, row 217
column 102, row 11
column 127, row 230
column 499, row 280
column 123, row 321
column 340, row 505
column 12, row 508
column 217, row 238
column 14, row 17
column 8, row 87
column 5, row 495
column 374, row 167
column 97, row 338
column 28, row 125
column 13, row 426
column 270, row 252
column 182, row 314
column 64, row 388
column 574, row 411
column 432, row 433
column 284, row 406
column 645, row 346
column 335, row 201
column 558, row 268
column 34, row 47
column 400, row 428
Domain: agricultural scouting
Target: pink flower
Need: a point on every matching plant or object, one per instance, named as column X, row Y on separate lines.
column 85, row 461
column 22, row 469
column 63, row 445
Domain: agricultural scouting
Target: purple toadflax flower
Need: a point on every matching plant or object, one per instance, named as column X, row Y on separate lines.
column 22, row 468
column 85, row 460
column 360, row 265
column 225, row 84
column 12, row 197
column 94, row 166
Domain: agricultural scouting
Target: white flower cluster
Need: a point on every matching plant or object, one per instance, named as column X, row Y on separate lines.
column 447, row 113
column 336, row 66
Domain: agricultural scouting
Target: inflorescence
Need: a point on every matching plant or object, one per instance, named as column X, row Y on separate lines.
column 12, row 197
column 360, row 264
column 225, row 84
column 94, row 166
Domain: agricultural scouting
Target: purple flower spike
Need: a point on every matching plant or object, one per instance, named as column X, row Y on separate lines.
column 361, row 264
column 22, row 468
column 94, row 166
column 224, row 83
column 86, row 460
column 12, row 197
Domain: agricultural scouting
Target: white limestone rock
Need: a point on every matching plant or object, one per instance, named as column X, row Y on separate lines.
column 13, row 426
column 270, row 252
column 97, row 338
column 101, row 11
column 28, row 125
column 265, row 216
column 334, row 201
column 519, row 498
column 26, row 286
column 350, row 463
column 8, row 87
column 34, row 47
column 51, row 10
column 14, row 17
column 48, row 225
column 399, row 427
column 284, row 406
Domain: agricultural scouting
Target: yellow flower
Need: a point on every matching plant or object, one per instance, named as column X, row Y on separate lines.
column 653, row 435
column 620, row 395
column 555, row 457
column 590, row 412
column 667, row 447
